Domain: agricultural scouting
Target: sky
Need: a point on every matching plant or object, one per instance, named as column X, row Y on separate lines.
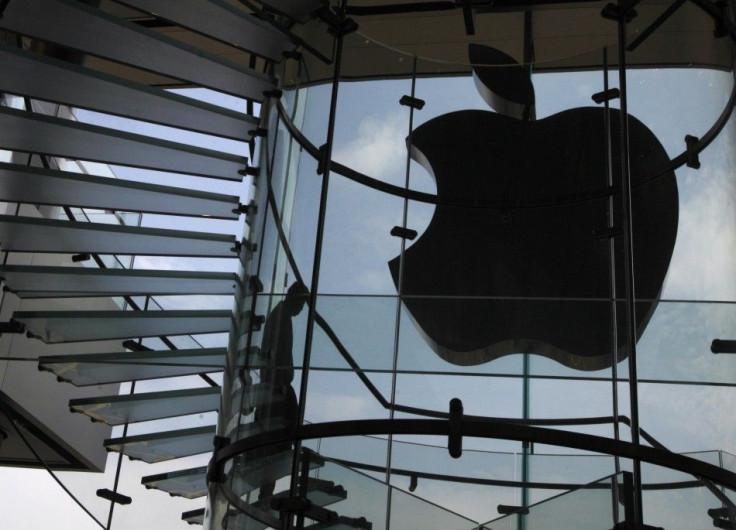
column 371, row 139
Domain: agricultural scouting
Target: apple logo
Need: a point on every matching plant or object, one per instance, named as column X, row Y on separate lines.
column 516, row 258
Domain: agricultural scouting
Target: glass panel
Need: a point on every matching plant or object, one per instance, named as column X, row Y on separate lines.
column 117, row 410
column 157, row 447
column 588, row 508
column 472, row 485
column 23, row 131
column 677, row 501
column 26, row 234
column 358, row 248
column 342, row 396
column 49, row 282
column 101, row 368
column 365, row 497
column 188, row 483
column 676, row 343
column 409, row 511
column 82, row 87
column 363, row 325
column 481, row 396
column 564, row 472
column 687, row 417
column 122, row 41
column 71, row 326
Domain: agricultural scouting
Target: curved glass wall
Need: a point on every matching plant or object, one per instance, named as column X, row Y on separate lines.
column 463, row 245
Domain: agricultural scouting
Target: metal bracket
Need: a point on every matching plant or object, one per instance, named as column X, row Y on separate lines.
column 113, row 496
column 606, row 95
column 455, row 437
column 255, row 284
column 305, row 507
column 723, row 346
column 338, row 24
column 215, row 472
column 693, row 160
column 275, row 93
column 13, row 326
column 617, row 13
column 322, row 160
column 409, row 101
column 404, row 233
column 252, row 171
column 249, row 209
column 132, row 345
column 505, row 509
column 258, row 132
column 255, row 321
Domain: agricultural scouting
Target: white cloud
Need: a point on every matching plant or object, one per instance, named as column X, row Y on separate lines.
column 703, row 260
column 378, row 149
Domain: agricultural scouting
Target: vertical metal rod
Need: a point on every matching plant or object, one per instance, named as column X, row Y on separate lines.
column 629, row 264
column 611, row 260
column 526, row 389
column 312, row 309
column 125, row 433
column 397, row 324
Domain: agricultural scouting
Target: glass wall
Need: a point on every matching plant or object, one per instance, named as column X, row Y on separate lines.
column 546, row 259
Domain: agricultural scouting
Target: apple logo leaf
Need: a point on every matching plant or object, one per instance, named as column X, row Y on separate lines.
column 513, row 260
column 502, row 82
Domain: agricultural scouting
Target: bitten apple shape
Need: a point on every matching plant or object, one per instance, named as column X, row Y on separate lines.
column 516, row 258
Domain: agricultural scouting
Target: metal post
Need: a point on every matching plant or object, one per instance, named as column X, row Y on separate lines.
column 629, row 260
column 397, row 324
column 526, row 392
column 611, row 260
column 326, row 153
column 125, row 433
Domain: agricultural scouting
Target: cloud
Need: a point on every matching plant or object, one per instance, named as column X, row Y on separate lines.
column 702, row 262
column 378, row 149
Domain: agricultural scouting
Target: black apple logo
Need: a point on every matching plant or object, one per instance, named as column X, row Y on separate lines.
column 531, row 273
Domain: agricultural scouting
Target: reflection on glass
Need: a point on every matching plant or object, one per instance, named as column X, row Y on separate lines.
column 587, row 508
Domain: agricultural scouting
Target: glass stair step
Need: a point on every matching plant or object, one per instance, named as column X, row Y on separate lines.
column 194, row 516
column 33, row 185
column 119, row 40
column 264, row 465
column 26, row 73
column 30, row 234
column 187, row 483
column 319, row 492
column 37, row 133
column 117, row 410
column 218, row 20
column 162, row 446
column 29, row 281
column 102, row 368
column 342, row 523
column 79, row 326
column 248, row 427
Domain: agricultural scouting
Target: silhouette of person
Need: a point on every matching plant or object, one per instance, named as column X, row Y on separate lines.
column 278, row 372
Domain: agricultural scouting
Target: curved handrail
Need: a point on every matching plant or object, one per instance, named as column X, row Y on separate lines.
column 482, row 429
